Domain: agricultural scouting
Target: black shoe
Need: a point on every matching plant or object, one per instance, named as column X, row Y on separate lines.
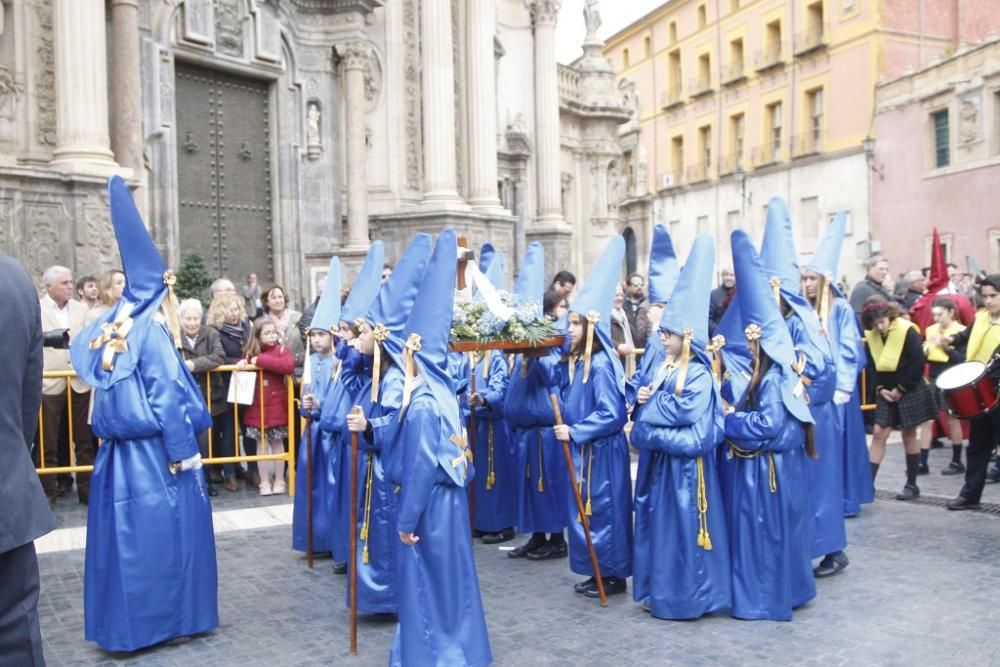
column 477, row 533
column 339, row 568
column 909, row 492
column 954, row 468
column 646, row 606
column 212, row 491
column 831, row 565
column 612, row 586
column 526, row 548
column 993, row 475
column 923, row 469
column 960, row 503
column 548, row 552
column 504, row 535
column 583, row 585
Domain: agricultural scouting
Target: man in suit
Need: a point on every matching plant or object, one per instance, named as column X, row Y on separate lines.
column 60, row 311
column 26, row 515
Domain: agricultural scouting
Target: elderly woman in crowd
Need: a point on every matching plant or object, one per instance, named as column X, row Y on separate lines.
column 227, row 314
column 110, row 287
column 202, row 351
column 286, row 320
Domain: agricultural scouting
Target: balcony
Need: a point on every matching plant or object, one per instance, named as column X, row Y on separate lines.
column 769, row 57
column 807, row 143
column 811, row 39
column 671, row 97
column 671, row 179
column 730, row 163
column 700, row 85
column 769, row 153
column 697, row 172
column 734, row 72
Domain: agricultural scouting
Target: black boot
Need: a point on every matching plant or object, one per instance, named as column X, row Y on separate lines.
column 911, row 491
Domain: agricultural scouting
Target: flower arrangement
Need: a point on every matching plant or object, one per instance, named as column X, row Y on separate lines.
column 474, row 322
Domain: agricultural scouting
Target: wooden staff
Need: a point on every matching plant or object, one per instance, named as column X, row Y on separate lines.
column 579, row 505
column 354, row 536
column 471, row 439
column 309, row 489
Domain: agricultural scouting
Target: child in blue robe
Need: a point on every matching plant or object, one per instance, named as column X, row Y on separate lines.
column 682, row 568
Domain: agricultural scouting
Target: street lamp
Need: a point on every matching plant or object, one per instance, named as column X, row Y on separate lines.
column 868, row 145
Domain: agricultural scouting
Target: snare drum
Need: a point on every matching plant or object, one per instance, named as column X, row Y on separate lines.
column 968, row 390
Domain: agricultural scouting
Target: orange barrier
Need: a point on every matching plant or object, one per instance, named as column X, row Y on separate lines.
column 288, row 456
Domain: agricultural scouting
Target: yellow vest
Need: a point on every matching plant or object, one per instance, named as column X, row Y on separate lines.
column 886, row 352
column 934, row 352
column 984, row 339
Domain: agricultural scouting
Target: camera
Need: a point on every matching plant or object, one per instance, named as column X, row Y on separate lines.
column 57, row 339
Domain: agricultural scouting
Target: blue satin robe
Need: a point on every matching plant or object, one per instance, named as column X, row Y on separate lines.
column 493, row 451
column 849, row 354
column 324, row 483
column 677, row 577
column 769, row 531
column 595, row 413
column 150, row 568
column 377, row 536
column 441, row 619
column 335, row 404
column 652, row 359
column 826, row 471
column 542, row 478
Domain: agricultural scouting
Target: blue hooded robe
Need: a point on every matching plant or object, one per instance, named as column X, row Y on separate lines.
column 324, row 480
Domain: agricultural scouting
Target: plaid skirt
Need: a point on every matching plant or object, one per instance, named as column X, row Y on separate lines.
column 919, row 405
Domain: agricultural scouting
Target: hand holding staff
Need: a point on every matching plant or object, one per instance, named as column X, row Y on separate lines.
column 579, row 505
column 356, row 410
column 309, row 483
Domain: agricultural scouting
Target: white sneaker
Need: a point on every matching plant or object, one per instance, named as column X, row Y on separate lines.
column 265, row 488
column 279, row 487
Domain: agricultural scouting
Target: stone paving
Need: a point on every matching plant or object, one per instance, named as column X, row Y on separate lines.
column 921, row 590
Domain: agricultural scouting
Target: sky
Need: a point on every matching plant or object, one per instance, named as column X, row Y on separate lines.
column 615, row 15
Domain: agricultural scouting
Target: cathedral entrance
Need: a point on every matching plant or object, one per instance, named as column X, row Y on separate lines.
column 224, row 172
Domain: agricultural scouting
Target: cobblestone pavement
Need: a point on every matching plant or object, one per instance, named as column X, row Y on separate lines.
column 920, row 590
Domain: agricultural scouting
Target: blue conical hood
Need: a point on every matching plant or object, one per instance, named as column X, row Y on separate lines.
column 663, row 267
column 367, row 284
column 327, row 313
column 395, row 298
column 777, row 250
column 494, row 270
column 688, row 304
column 141, row 261
column 827, row 258
column 758, row 306
column 486, row 256
column 530, row 283
column 598, row 294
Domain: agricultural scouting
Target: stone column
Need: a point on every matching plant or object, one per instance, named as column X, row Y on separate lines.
column 544, row 14
column 482, row 106
column 126, row 91
column 356, row 55
column 82, row 143
column 438, row 88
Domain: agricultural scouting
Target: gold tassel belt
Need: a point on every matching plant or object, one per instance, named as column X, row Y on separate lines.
column 772, row 477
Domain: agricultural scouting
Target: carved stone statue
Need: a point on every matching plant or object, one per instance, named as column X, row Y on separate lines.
column 312, row 124
column 969, row 116
column 592, row 18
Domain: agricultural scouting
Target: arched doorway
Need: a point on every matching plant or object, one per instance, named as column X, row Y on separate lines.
column 631, row 260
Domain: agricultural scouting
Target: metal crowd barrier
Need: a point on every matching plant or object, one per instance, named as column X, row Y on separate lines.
column 288, row 456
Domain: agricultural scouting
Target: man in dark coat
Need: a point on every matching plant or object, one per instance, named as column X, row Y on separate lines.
column 26, row 515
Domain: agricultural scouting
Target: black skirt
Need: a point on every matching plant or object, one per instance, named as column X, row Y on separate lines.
column 920, row 404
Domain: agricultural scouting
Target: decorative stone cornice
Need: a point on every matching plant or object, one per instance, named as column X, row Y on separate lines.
column 338, row 6
column 544, row 11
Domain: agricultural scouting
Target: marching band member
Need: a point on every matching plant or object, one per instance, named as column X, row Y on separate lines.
column 941, row 355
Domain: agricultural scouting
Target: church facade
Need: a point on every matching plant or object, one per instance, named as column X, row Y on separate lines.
column 267, row 135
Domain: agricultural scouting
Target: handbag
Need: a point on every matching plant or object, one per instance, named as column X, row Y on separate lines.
column 241, row 387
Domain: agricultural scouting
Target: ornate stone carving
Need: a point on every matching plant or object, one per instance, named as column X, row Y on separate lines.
column 373, row 79
column 96, row 247
column 6, row 246
column 10, row 92
column 544, row 11
column 314, row 136
column 41, row 247
column 45, row 79
column 411, row 39
column 355, row 55
column 228, row 27
column 969, row 121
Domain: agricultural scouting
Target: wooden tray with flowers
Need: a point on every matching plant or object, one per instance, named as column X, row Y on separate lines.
column 508, row 346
